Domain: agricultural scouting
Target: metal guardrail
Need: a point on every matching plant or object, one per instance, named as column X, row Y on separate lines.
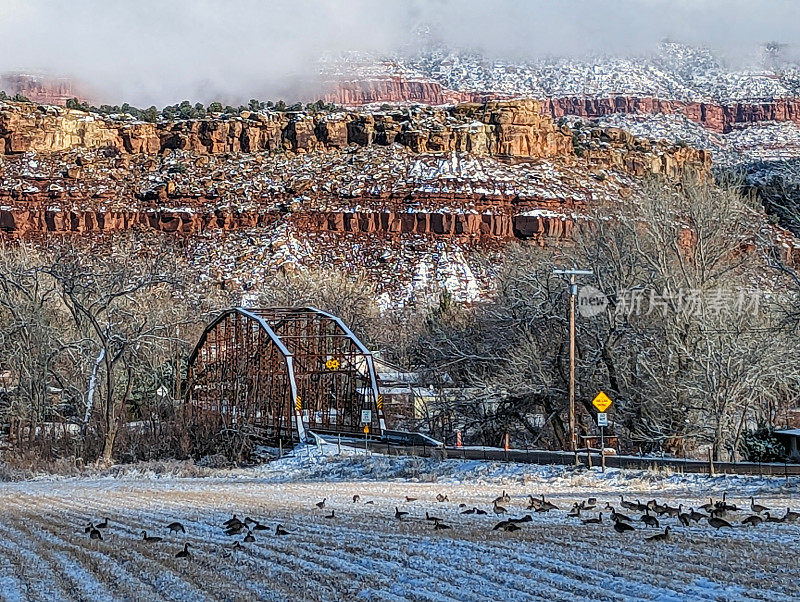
column 591, row 459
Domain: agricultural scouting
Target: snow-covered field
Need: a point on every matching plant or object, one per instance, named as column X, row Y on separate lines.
column 364, row 552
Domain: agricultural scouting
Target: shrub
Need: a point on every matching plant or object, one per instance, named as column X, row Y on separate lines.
column 761, row 445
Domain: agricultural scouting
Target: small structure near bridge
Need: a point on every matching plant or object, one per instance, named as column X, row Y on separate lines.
column 280, row 372
column 791, row 441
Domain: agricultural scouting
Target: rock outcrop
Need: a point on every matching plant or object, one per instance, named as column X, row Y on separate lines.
column 714, row 116
column 41, row 89
column 514, row 128
column 397, row 89
column 474, row 172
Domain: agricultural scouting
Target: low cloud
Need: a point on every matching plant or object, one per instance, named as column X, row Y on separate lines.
column 155, row 52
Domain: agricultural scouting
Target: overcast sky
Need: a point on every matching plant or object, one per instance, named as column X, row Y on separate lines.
column 162, row 51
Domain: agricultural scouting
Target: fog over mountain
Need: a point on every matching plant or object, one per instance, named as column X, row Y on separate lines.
column 152, row 52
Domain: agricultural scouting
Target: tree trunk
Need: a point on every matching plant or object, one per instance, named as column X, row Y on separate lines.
column 90, row 392
column 112, row 425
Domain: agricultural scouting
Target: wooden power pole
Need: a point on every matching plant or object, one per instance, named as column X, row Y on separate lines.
column 573, row 293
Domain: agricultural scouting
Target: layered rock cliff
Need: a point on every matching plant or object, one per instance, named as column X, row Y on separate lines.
column 514, row 128
column 716, row 116
column 41, row 89
column 473, row 172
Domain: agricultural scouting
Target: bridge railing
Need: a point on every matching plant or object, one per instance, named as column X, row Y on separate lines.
column 533, row 456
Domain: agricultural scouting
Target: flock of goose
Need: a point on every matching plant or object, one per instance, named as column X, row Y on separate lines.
column 718, row 514
column 232, row 527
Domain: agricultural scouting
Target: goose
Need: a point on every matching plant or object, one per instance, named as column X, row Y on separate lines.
column 398, row 514
column 410, row 499
column 659, row 536
column 226, row 553
column 753, row 520
column 718, row 523
column 507, row 526
column 236, row 530
column 502, row 498
column 369, row 502
column 790, row 516
column 237, row 524
column 498, row 509
column 626, row 504
column 709, row 506
column 95, row 534
column 185, row 552
column 772, row 519
column 621, row 527
column 575, row 512
column 640, row 507
column 441, row 498
column 617, row 516
column 435, row 519
column 249, row 521
column 356, row 498
column 103, row 525
column 588, row 505
column 260, row 527
column 331, row 515
column 533, row 503
column 150, row 538
column 462, row 505
column 249, row 537
column 279, row 530
column 479, row 511
column 523, row 519
column 650, row 521
column 548, row 505
column 757, row 508
column 593, row 521
column 321, row 504
column 175, row 527
column 696, row 516
column 724, row 505
column 684, row 517
column 88, row 528
column 440, row 526
column 671, row 511
column 469, row 511
column 231, row 521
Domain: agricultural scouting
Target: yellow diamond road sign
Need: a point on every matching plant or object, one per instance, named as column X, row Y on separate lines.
column 602, row 402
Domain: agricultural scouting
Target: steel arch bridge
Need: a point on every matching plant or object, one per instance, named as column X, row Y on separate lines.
column 283, row 372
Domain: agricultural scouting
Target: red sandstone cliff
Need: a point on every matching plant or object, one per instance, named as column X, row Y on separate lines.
column 100, row 176
column 41, row 89
column 716, row 117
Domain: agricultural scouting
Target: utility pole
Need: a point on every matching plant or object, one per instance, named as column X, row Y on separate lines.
column 573, row 292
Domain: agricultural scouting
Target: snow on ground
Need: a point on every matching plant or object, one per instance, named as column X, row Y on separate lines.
column 364, row 552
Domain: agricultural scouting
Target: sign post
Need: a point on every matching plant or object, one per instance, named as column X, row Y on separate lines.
column 366, row 419
column 602, row 402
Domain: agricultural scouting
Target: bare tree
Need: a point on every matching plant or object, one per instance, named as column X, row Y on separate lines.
column 687, row 346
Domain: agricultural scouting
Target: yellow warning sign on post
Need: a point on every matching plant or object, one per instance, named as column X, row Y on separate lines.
column 380, row 401
column 366, row 429
column 298, row 404
column 602, row 402
column 332, row 364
